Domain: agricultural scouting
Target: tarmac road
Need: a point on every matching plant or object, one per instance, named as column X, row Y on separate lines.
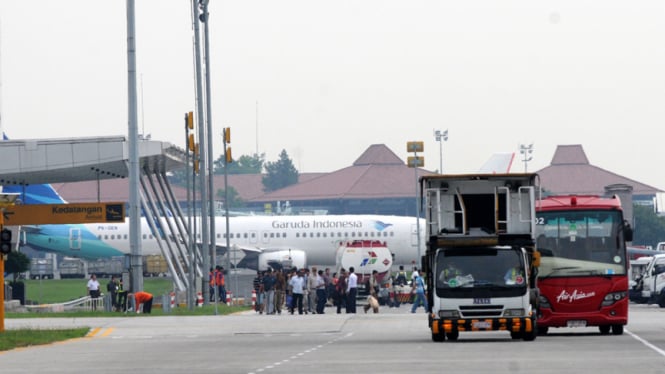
column 393, row 341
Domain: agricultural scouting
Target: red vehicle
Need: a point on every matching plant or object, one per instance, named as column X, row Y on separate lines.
column 583, row 274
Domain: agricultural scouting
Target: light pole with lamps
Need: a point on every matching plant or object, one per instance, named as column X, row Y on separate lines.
column 526, row 151
column 441, row 136
column 416, row 162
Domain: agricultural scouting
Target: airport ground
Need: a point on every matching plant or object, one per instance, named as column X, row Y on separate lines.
column 393, row 341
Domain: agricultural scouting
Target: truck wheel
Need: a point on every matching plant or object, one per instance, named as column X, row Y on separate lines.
column 515, row 335
column 452, row 336
column 439, row 337
column 543, row 330
column 617, row 329
column 531, row 336
column 661, row 299
column 604, row 329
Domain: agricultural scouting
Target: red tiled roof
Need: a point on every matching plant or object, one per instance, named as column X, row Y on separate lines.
column 377, row 173
column 105, row 190
column 570, row 172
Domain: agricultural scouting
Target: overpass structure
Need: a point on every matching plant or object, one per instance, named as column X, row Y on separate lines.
column 30, row 163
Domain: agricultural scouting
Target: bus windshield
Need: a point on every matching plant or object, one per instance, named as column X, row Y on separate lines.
column 580, row 243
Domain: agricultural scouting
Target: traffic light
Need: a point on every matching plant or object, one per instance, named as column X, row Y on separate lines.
column 5, row 241
column 227, row 135
column 189, row 120
column 191, row 144
column 229, row 158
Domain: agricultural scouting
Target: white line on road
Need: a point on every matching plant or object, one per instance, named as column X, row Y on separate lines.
column 653, row 347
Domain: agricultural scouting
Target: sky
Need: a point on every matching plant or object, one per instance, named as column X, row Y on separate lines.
column 324, row 80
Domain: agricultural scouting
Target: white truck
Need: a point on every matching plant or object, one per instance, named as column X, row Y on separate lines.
column 481, row 263
column 635, row 277
column 365, row 256
column 653, row 281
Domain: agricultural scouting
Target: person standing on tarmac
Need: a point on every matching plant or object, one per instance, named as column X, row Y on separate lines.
column 320, row 293
column 93, row 290
column 269, row 281
column 280, row 290
column 419, row 289
column 220, row 280
column 340, row 291
column 351, row 291
column 297, row 284
column 258, row 288
column 112, row 288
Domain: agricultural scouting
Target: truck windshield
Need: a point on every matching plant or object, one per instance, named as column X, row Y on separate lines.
column 480, row 268
column 580, row 243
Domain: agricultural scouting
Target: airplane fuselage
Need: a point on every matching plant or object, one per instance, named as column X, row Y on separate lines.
column 318, row 236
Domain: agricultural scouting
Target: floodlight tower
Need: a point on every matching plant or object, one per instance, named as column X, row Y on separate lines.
column 526, row 152
column 441, row 136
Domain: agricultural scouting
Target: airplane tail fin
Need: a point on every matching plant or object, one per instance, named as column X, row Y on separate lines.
column 498, row 163
column 35, row 194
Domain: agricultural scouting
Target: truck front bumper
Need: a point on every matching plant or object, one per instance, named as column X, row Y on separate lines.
column 512, row 324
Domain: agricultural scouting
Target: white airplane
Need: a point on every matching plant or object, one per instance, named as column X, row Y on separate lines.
column 259, row 240
column 255, row 241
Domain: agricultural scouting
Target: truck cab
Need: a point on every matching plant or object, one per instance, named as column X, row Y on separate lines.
column 653, row 281
column 481, row 263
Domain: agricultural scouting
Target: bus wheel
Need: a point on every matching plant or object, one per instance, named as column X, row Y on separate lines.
column 617, row 329
column 438, row 337
column 452, row 336
column 604, row 329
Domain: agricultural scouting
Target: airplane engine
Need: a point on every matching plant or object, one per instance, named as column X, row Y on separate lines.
column 282, row 259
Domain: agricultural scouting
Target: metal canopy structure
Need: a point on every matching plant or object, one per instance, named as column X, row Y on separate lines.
column 43, row 161
column 39, row 161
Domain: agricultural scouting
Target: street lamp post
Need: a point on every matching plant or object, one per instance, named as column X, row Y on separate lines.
column 526, row 151
column 415, row 162
column 441, row 136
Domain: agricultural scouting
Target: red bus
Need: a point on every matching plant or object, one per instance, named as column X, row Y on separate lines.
column 583, row 273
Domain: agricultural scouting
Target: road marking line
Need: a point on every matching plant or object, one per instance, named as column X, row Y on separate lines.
column 93, row 332
column 107, row 332
column 653, row 347
column 300, row 354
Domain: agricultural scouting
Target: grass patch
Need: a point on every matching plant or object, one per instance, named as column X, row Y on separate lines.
column 52, row 291
column 10, row 339
column 207, row 310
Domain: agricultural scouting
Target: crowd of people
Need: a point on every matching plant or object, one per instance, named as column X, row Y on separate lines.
column 301, row 291
column 310, row 290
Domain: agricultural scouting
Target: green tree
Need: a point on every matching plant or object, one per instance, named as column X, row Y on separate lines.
column 280, row 174
column 243, row 165
column 649, row 228
column 234, row 198
column 17, row 262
